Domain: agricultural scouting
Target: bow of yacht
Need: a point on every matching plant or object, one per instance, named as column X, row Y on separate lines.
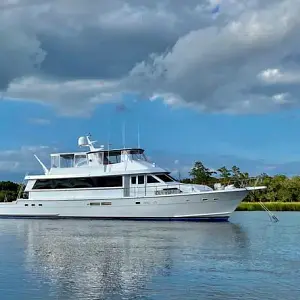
column 118, row 184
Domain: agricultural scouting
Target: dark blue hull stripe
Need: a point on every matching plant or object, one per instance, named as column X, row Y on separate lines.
column 190, row 219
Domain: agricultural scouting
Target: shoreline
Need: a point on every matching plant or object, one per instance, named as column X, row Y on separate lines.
column 272, row 206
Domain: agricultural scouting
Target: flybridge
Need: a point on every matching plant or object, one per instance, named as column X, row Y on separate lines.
column 94, row 157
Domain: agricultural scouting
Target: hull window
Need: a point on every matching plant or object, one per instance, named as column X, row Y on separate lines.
column 76, row 183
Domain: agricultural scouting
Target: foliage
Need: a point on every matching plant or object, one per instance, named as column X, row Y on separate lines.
column 8, row 190
column 272, row 206
column 200, row 173
column 280, row 188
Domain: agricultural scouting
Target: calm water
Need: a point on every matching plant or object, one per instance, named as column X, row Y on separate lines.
column 246, row 258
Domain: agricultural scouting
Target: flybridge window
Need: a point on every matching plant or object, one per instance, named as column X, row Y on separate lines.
column 80, row 160
column 66, row 160
column 137, row 154
column 165, row 177
column 112, row 158
column 76, row 183
column 55, row 161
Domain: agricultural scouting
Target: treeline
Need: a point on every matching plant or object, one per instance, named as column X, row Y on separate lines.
column 279, row 187
column 8, row 191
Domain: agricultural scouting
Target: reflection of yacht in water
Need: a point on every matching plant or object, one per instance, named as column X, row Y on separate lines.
column 118, row 183
column 96, row 259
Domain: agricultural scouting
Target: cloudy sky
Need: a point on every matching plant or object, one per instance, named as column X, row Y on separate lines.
column 222, row 88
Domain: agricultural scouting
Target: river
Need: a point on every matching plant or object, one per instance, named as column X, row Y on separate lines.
column 247, row 258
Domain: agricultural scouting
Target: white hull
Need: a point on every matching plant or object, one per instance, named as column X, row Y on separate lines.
column 216, row 205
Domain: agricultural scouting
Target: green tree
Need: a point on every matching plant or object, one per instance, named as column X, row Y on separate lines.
column 225, row 175
column 200, row 174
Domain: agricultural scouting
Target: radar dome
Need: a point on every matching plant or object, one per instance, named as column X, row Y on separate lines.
column 82, row 141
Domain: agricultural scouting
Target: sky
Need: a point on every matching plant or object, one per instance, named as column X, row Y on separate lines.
column 222, row 88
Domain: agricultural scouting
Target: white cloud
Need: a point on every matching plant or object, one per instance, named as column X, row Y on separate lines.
column 23, row 160
column 281, row 98
column 39, row 121
column 274, row 76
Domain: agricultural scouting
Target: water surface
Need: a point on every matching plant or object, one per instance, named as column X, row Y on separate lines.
column 246, row 258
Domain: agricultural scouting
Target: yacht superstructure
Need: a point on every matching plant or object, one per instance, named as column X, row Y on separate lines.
column 118, row 184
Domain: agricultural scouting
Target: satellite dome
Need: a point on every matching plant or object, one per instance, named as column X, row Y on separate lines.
column 82, row 141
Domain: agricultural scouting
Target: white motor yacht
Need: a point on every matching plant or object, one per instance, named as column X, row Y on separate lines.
column 118, row 184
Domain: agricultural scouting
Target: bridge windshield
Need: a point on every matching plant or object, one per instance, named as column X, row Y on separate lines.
column 68, row 160
column 137, row 154
column 117, row 156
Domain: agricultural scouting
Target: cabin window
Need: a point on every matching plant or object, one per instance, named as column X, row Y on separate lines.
column 141, row 179
column 164, row 177
column 109, row 181
column 43, row 184
column 151, row 179
column 76, row 183
column 133, row 180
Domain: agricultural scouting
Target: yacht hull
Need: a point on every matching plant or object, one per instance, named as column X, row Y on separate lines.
column 202, row 206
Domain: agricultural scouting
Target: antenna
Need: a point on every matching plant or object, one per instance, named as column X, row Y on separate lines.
column 107, row 154
column 138, row 135
column 123, row 134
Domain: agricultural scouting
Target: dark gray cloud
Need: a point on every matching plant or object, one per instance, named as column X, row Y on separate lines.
column 171, row 50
